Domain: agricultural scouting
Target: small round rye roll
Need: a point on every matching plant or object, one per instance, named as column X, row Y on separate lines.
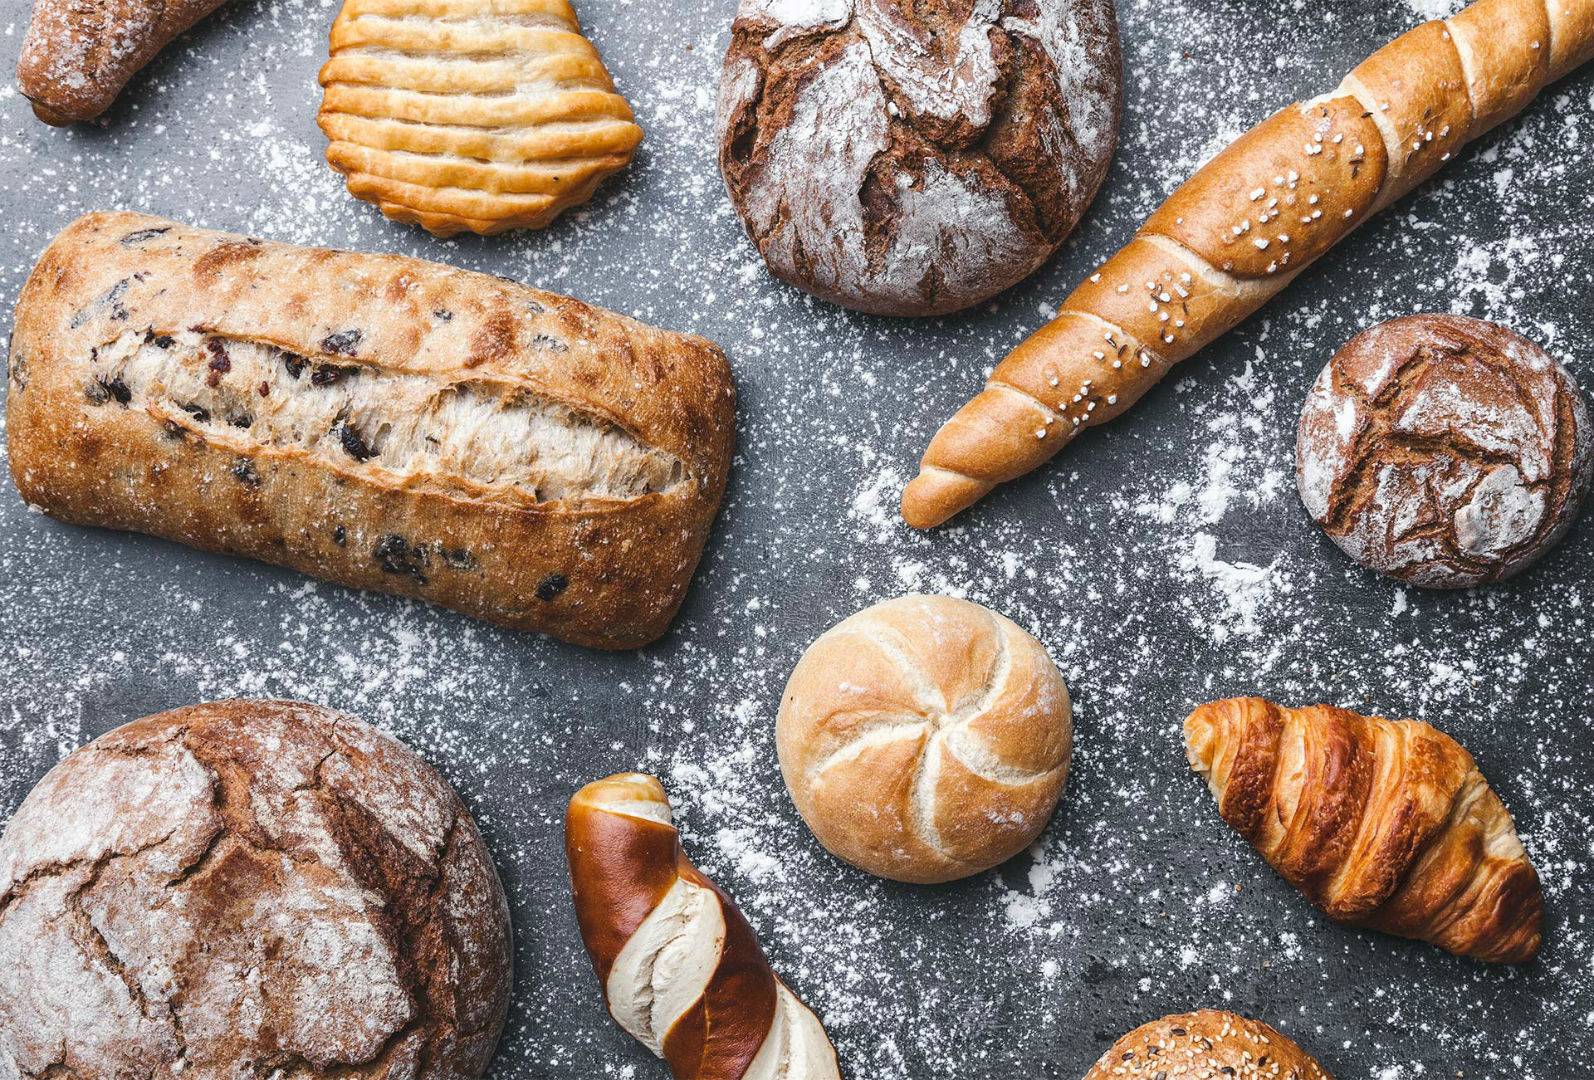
column 1444, row 451
column 925, row 739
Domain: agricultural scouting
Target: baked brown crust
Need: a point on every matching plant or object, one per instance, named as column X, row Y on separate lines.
column 697, row 990
column 914, row 159
column 1206, row 1045
column 636, row 424
column 1444, row 451
column 1381, row 823
column 483, row 115
column 78, row 54
column 248, row 887
column 925, row 738
column 1239, row 230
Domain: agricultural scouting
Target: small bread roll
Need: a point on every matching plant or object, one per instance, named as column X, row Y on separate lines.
column 1206, row 1045
column 925, row 739
column 1443, row 451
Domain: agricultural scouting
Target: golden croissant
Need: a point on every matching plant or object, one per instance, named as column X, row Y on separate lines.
column 470, row 114
column 1385, row 824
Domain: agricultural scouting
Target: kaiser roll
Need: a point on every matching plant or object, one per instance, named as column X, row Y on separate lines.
column 925, row 738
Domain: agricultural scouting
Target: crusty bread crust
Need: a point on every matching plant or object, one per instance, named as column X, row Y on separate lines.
column 607, row 570
column 78, row 54
column 1240, row 230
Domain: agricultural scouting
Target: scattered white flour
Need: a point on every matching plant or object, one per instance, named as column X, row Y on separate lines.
column 1164, row 560
column 1435, row 9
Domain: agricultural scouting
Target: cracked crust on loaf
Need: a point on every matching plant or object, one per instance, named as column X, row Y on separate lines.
column 916, row 159
column 258, row 886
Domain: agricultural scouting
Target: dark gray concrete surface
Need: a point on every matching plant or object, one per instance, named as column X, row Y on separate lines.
column 1164, row 560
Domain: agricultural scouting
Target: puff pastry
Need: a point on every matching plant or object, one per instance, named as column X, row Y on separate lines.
column 484, row 115
column 1381, row 823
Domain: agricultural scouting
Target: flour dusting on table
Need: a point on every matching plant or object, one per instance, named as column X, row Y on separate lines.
column 1164, row 560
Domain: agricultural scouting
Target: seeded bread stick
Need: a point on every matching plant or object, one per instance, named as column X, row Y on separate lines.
column 1242, row 228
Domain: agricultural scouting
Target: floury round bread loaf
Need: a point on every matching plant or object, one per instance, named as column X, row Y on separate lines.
column 925, row 739
column 374, row 420
column 914, row 159
column 1444, row 451
column 248, row 888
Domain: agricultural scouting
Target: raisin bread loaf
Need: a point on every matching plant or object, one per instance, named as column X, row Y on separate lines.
column 374, row 420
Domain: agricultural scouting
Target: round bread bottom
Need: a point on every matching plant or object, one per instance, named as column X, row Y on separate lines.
column 248, row 888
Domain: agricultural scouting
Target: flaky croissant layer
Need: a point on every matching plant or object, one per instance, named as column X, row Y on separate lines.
column 1382, row 823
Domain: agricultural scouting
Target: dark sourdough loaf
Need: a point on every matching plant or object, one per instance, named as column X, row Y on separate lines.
column 1444, row 451
column 248, row 888
column 916, row 158
column 374, row 420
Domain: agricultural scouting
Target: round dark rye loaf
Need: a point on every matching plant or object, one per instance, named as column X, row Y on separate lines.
column 257, row 888
column 1444, row 451
column 916, row 158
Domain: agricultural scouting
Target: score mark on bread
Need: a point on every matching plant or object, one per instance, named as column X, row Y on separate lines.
column 483, row 115
column 372, row 420
column 483, row 438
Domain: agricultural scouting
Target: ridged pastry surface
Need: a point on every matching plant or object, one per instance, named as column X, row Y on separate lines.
column 479, row 115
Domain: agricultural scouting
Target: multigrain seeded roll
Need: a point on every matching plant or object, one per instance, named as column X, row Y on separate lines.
column 248, row 888
column 1206, row 1045
column 374, row 420
column 910, row 158
column 1444, row 451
